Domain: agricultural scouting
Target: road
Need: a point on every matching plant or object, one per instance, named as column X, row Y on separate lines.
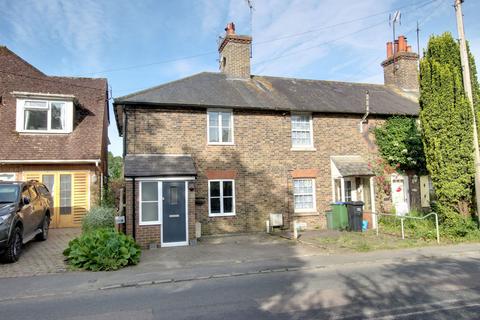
column 429, row 288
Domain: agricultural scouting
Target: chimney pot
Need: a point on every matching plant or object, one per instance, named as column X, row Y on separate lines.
column 389, row 49
column 402, row 44
column 230, row 29
column 395, row 47
column 409, row 48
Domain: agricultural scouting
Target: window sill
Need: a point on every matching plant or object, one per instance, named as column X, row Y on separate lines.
column 303, row 149
column 155, row 223
column 43, row 132
column 221, row 215
column 220, row 144
column 303, row 214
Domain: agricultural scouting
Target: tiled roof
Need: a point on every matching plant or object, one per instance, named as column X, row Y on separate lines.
column 149, row 165
column 209, row 89
column 91, row 115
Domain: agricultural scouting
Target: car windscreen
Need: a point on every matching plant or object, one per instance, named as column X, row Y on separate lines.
column 8, row 193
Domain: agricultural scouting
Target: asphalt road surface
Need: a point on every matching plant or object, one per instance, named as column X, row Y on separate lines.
column 442, row 288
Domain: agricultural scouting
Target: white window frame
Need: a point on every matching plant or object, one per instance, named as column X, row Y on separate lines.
column 314, row 191
column 20, row 119
column 220, row 127
column 222, row 213
column 159, row 204
column 12, row 174
column 302, row 147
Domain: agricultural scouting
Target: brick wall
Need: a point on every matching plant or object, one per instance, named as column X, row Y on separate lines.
column 261, row 158
column 151, row 234
column 406, row 74
column 235, row 56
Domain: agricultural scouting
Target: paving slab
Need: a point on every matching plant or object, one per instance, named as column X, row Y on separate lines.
column 41, row 257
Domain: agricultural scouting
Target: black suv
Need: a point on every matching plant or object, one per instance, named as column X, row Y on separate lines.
column 25, row 211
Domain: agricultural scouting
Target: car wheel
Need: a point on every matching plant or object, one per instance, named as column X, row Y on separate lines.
column 42, row 236
column 14, row 248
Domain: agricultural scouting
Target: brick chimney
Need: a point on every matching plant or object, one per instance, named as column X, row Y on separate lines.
column 400, row 69
column 235, row 54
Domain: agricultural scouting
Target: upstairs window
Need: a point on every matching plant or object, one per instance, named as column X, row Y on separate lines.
column 302, row 132
column 44, row 116
column 220, row 127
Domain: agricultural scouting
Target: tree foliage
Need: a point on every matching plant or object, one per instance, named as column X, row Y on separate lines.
column 446, row 121
column 115, row 166
column 400, row 144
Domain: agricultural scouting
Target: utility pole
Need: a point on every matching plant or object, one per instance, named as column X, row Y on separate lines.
column 467, row 85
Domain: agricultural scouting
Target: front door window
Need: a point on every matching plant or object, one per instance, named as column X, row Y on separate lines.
column 348, row 190
column 65, row 194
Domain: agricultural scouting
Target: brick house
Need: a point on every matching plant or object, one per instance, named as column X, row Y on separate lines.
column 220, row 152
column 54, row 129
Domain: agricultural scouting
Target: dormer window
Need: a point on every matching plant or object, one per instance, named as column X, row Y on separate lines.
column 44, row 115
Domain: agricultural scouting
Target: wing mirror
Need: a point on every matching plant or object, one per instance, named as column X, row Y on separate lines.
column 26, row 200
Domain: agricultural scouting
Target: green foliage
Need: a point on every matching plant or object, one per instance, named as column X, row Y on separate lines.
column 446, row 122
column 115, row 166
column 400, row 144
column 102, row 249
column 97, row 218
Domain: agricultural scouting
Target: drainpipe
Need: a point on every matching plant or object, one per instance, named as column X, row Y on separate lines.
column 101, row 179
column 367, row 110
column 133, row 208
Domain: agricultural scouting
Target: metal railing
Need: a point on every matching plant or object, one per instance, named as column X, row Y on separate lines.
column 408, row 217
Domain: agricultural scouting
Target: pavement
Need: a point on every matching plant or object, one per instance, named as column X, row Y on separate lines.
column 41, row 257
column 254, row 276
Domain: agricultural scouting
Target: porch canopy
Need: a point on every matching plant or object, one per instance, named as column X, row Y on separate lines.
column 352, row 166
column 159, row 165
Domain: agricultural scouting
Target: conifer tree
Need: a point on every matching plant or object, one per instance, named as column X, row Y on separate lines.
column 446, row 122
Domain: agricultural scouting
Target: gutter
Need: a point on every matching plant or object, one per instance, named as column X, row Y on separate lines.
column 95, row 161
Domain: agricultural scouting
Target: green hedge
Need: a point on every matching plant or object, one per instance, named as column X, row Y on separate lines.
column 98, row 218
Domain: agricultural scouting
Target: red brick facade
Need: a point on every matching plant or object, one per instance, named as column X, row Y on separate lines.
column 261, row 162
column 148, row 235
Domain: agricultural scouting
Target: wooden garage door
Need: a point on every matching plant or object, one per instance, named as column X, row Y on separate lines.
column 70, row 191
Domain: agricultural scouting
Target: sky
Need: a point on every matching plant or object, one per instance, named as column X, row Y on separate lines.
column 137, row 44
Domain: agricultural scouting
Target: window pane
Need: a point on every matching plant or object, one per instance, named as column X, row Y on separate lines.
column 215, row 205
column 214, row 189
column 173, row 195
column 301, row 130
column 48, row 180
column 36, row 119
column 65, row 194
column 226, row 119
column 36, row 104
column 213, row 118
column 348, row 191
column 213, row 134
column 57, row 115
column 149, row 191
column 226, row 135
column 227, row 188
column 149, row 211
column 227, row 205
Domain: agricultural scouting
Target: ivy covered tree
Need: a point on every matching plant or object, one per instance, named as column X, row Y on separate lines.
column 446, row 122
column 400, row 144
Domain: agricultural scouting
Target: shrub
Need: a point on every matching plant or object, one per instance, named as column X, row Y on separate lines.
column 97, row 218
column 102, row 249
